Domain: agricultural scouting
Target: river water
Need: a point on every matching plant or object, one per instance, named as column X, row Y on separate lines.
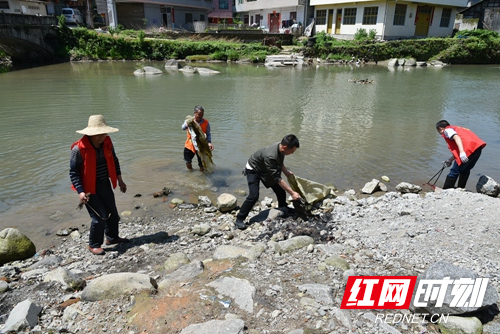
column 349, row 133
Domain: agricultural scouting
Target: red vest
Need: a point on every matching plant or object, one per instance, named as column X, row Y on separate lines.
column 88, row 169
column 470, row 141
column 189, row 144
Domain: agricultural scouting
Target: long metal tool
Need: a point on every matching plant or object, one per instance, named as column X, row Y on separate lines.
column 438, row 174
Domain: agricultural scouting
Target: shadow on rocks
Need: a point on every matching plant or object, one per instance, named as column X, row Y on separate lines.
column 159, row 238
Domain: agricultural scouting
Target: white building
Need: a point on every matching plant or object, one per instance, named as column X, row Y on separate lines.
column 391, row 19
column 273, row 15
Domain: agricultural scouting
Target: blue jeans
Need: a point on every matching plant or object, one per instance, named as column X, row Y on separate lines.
column 464, row 169
column 105, row 221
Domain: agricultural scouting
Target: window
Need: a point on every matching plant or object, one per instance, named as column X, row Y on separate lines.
column 293, row 15
column 188, row 18
column 202, row 17
column 350, row 16
column 240, row 2
column 4, row 5
column 445, row 18
column 321, row 17
column 223, row 4
column 399, row 15
column 370, row 15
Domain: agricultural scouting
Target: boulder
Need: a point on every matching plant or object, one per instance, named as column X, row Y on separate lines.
column 15, row 246
column 487, row 186
column 172, row 64
column 116, row 285
column 443, row 270
column 226, row 202
column 405, row 188
column 371, row 187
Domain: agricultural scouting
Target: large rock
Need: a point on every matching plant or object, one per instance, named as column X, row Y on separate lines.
column 371, row 187
column 15, row 246
column 487, row 186
column 69, row 280
column 226, row 202
column 232, row 326
column 116, row 285
column 24, row 315
column 461, row 325
column 405, row 188
column 440, row 271
column 148, row 70
column 238, row 289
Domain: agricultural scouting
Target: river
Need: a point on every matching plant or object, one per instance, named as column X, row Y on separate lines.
column 349, row 133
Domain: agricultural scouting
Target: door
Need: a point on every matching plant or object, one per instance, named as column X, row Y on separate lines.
column 274, row 23
column 330, row 21
column 338, row 21
column 423, row 20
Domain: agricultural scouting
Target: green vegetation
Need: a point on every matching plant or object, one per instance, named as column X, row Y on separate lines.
column 81, row 43
column 467, row 47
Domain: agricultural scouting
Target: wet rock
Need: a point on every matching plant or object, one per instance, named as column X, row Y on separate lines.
column 147, row 71
column 204, row 201
column 371, row 187
column 172, row 64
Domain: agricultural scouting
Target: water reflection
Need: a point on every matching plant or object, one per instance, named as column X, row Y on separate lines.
column 349, row 132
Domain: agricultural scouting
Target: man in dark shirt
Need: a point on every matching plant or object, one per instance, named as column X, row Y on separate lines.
column 266, row 165
column 94, row 168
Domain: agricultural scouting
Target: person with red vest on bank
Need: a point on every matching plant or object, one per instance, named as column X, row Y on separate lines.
column 94, row 172
column 189, row 149
column 466, row 147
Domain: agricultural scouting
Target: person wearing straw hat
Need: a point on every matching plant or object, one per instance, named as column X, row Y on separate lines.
column 94, row 172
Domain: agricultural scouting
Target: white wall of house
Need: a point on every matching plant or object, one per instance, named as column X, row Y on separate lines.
column 384, row 26
column 452, row 3
column 246, row 6
column 285, row 15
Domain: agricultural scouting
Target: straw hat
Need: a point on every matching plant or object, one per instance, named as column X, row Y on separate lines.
column 97, row 126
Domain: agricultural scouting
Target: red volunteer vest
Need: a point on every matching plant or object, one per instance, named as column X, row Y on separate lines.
column 88, row 169
column 189, row 144
column 470, row 141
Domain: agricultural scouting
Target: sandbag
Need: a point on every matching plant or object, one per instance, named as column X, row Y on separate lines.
column 310, row 191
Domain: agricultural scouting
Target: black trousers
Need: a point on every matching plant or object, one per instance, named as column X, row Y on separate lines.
column 253, row 195
column 189, row 155
column 105, row 221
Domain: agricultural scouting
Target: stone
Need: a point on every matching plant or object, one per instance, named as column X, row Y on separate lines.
column 175, row 260
column 232, row 326
column 226, row 202
column 370, row 187
column 116, row 285
column 487, row 186
column 439, row 271
column 24, row 315
column 15, row 246
column 461, row 325
column 405, row 187
column 238, row 289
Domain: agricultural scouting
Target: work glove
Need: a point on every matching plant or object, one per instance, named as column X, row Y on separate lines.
column 463, row 157
column 447, row 163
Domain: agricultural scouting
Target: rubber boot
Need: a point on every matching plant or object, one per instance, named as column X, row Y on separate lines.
column 462, row 181
column 188, row 165
column 449, row 183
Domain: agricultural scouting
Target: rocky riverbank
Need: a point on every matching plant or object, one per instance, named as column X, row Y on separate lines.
column 190, row 266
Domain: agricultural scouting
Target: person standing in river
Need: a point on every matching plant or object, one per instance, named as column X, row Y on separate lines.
column 94, row 172
column 266, row 165
column 466, row 148
column 189, row 148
